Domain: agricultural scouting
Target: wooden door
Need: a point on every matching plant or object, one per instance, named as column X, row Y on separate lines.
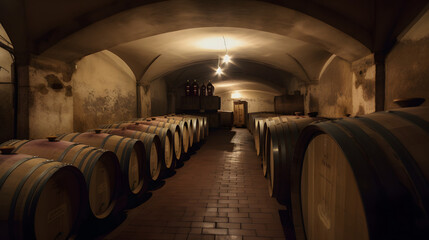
column 240, row 110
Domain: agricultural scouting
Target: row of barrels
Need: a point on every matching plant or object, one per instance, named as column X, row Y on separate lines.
column 364, row 177
column 49, row 187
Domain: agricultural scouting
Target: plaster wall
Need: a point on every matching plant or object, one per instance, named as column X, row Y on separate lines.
column 363, row 86
column 50, row 98
column 158, row 97
column 104, row 91
column 257, row 101
column 332, row 95
column 407, row 72
column 6, row 96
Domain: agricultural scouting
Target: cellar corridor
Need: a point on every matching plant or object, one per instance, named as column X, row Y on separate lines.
column 218, row 193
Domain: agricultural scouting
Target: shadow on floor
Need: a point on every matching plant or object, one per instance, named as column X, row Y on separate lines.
column 97, row 229
column 157, row 185
column 170, row 173
column 287, row 224
column 221, row 138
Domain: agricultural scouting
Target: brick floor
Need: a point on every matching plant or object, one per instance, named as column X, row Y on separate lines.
column 219, row 193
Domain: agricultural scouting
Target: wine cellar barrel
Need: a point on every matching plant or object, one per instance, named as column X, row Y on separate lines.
column 100, row 168
column 363, row 178
column 192, row 121
column 130, row 152
column 167, row 144
column 40, row 198
column 187, row 133
column 280, row 143
column 175, row 130
column 265, row 151
column 153, row 149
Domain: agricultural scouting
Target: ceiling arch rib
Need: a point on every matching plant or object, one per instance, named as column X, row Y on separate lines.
column 169, row 16
column 186, row 47
column 241, row 75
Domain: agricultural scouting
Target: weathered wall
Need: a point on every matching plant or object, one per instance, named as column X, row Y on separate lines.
column 104, row 91
column 6, row 96
column 363, row 87
column 50, row 98
column 158, row 97
column 332, row 96
column 257, row 101
column 407, row 65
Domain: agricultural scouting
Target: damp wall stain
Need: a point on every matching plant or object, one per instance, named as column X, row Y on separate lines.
column 101, row 109
column 407, row 72
column 54, row 82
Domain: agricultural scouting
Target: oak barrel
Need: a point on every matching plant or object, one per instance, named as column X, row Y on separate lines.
column 130, row 152
column 175, row 130
column 363, row 178
column 100, row 168
column 280, row 143
column 192, row 121
column 40, row 198
column 265, row 152
column 153, row 148
column 167, row 145
column 187, row 133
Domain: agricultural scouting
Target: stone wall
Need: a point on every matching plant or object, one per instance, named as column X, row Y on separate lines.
column 407, row 65
column 50, row 98
column 104, row 91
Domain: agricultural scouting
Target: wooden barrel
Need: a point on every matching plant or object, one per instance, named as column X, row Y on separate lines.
column 153, row 148
column 100, row 168
column 254, row 117
column 175, row 130
column 187, row 133
column 192, row 121
column 280, row 142
column 202, row 122
column 40, row 198
column 130, row 152
column 166, row 137
column 363, row 178
column 265, row 153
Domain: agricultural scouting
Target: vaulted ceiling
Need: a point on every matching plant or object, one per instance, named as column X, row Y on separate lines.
column 284, row 39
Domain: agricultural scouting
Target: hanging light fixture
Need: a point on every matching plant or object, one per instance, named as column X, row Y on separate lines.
column 226, row 58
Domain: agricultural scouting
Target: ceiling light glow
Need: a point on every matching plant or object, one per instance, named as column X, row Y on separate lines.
column 226, row 58
column 235, row 95
column 219, row 70
column 217, row 43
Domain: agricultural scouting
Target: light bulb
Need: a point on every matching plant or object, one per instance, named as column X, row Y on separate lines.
column 219, row 70
column 226, row 58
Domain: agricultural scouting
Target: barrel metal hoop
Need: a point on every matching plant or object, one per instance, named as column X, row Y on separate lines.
column 7, row 143
column 74, row 137
column 33, row 200
column 90, row 166
column 60, row 159
column 61, row 136
column 126, row 155
column 118, row 143
column 83, row 159
column 77, row 154
column 19, row 146
column 360, row 168
column 105, row 140
column 10, row 170
column 16, row 194
column 414, row 119
column 135, row 134
column 407, row 159
column 372, row 152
